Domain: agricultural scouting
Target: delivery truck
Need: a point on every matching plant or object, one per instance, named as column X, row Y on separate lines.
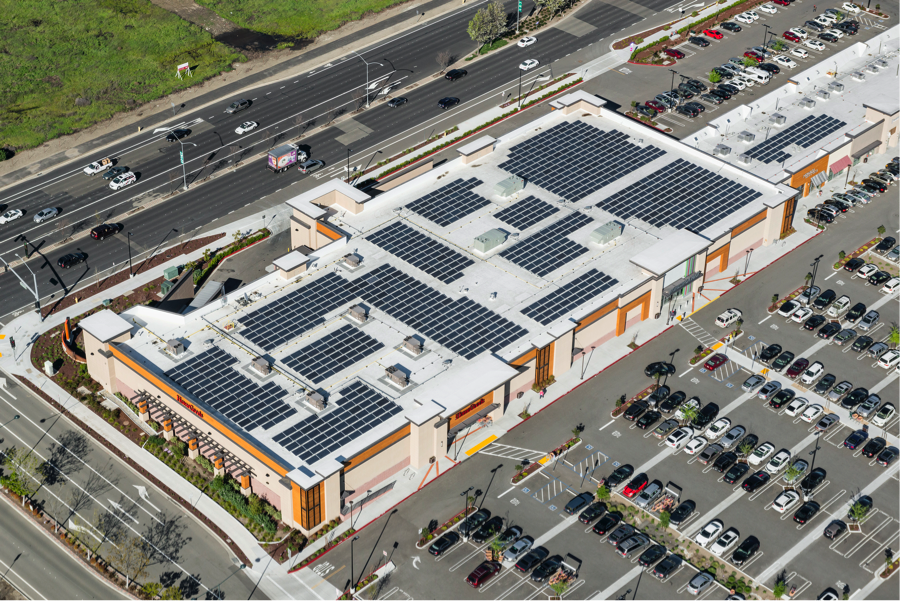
column 283, row 157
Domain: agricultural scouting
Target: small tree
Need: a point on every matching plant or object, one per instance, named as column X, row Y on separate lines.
column 807, row 277
column 560, row 588
column 603, row 493
column 745, row 448
column 699, row 349
column 444, row 58
column 841, row 255
column 232, row 151
column 792, row 473
column 24, row 471
column 151, row 589
column 487, row 24
column 894, row 336
column 858, row 511
column 779, row 45
column 778, row 591
column 881, row 230
column 750, row 61
column 173, row 593
column 714, row 77
column 689, row 414
column 360, row 97
column 132, row 559
column 774, row 298
column 664, row 518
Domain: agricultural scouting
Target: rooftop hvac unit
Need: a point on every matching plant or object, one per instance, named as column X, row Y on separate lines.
column 777, row 119
column 396, row 376
column 857, row 76
column 744, row 159
column 721, row 150
column 836, row 87
column 882, row 63
column 358, row 312
column 823, row 94
column 175, row 347
column 509, row 186
column 413, row 345
column 315, row 399
column 352, row 260
column 261, row 366
column 808, row 103
column 746, row 136
column 490, row 240
column 607, row 232
column 872, row 68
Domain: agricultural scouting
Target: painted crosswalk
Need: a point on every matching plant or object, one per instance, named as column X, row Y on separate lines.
column 510, row 452
column 697, row 331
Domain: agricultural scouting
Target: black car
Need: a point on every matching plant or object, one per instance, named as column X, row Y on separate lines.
column 672, row 402
column 824, row 300
column 846, row 28
column 820, row 216
column 751, row 440
column 699, row 85
column 783, row 360
column 773, row 69
column 867, row 188
column 71, row 259
column 855, row 398
column 782, row 398
column 443, row 543
column 882, row 247
column 721, row 93
column 696, row 105
column 635, row 410
column 488, row 529
column 398, row 101
column 445, row 103
column 532, row 559
column 579, row 502
column 104, row 230
column 646, row 111
column 652, row 555
column 855, row 312
column 888, row 456
column 828, row 37
column 682, row 512
column 114, row 172
column 710, row 453
column 723, row 73
column 825, row 384
column 606, row 524
column 747, row 549
column 725, row 461
column 593, row 512
column 838, row 204
column 865, row 502
column 667, row 566
column 688, row 112
column 698, row 41
column 729, row 26
column 455, row 74
column 855, row 439
column 648, row 419
column 875, row 184
column 754, row 482
column 547, row 568
column 660, row 367
column 658, row 395
column 813, row 479
column 769, row 353
column 862, row 343
column 854, row 264
column 729, row 88
column 829, row 330
column 621, row 533
column 814, row 322
column 879, row 277
column 736, row 472
column 835, row 529
column 177, row 134
column 874, row 447
column 621, row 474
column 706, row 414
column 806, row 512
column 473, row 522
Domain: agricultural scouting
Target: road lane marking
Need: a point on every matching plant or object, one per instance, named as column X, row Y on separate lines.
column 507, row 490
column 764, row 319
column 609, row 422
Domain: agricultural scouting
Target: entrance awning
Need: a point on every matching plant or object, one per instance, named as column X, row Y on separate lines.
column 866, row 149
column 471, row 420
column 841, row 164
column 819, row 179
column 679, row 284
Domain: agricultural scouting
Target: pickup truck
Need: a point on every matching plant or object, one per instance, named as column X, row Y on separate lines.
column 98, row 166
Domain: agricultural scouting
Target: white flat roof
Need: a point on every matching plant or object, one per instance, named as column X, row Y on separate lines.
column 669, row 253
column 105, row 325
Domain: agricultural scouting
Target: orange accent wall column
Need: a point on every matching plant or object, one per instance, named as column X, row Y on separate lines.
column 621, row 316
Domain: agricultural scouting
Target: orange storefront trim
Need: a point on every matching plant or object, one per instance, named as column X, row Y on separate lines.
column 597, row 315
column 233, row 436
column 722, row 255
column 327, row 231
column 748, row 224
column 643, row 300
column 463, row 413
column 377, row 448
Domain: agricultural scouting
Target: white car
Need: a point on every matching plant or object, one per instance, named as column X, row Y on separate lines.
column 785, row 500
column 889, row 359
column 728, row 316
column 796, row 406
column 748, row 83
column 811, row 413
column 814, row 44
column 778, row 462
column 697, row 444
column 709, row 533
column 767, row 8
column 10, row 215
column 799, row 32
column 835, row 32
column 679, row 437
column 885, row 413
column 799, row 52
column 98, row 166
column 743, row 18
column 890, row 286
column 531, row 63
column 738, row 83
column 126, row 179
column 850, row 7
column 718, row 428
column 801, row 315
column 812, row 373
column 826, row 19
column 526, row 41
column 788, row 308
column 785, row 61
column 725, row 542
column 752, row 14
column 245, row 127
column 866, row 270
column 45, row 214
column 761, row 453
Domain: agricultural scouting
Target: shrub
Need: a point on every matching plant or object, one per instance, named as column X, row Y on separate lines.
column 714, row 77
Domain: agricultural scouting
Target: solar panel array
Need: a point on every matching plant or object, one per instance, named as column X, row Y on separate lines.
column 211, row 377
column 419, row 250
column 577, row 292
column 549, row 249
column 359, row 410
column 525, row 213
column 332, row 353
column 295, row 313
column 450, row 203
column 574, row 159
column 681, row 194
column 464, row 326
column 804, row 133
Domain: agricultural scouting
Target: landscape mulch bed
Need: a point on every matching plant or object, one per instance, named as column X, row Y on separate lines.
column 858, row 252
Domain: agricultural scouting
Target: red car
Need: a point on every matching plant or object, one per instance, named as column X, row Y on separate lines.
column 790, row 36
column 657, row 106
column 483, row 573
column 797, row 368
column 715, row 362
column 781, row 2
column 716, row 35
column 753, row 55
column 673, row 53
column 637, row 484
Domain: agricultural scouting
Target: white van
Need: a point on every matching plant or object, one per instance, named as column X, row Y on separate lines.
column 728, row 317
column 839, row 307
column 891, row 286
column 757, row 75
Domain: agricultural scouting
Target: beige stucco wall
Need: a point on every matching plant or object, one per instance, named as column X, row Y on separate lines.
column 422, row 443
column 391, row 456
column 331, row 507
column 772, row 224
column 301, row 230
column 562, row 354
column 739, row 245
column 598, row 332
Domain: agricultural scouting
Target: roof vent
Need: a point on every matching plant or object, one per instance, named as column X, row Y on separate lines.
column 836, row 87
column 882, row 63
column 777, row 119
column 490, row 240
column 261, row 365
column 823, row 94
column 807, row 103
column 509, row 186
column 396, row 377
column 872, row 68
column 721, row 150
column 857, row 76
column 607, row 232
column 358, row 313
column 744, row 159
column 316, row 400
column 413, row 345
column 352, row 260
column 746, row 136
column 175, row 347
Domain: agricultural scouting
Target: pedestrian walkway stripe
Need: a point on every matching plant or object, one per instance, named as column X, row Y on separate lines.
column 481, row 445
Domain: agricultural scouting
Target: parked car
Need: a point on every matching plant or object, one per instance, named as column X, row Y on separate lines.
column 547, row 568
column 682, row 512
column 698, row 41
column 619, row 475
column 488, row 529
column 473, row 522
column 579, row 502
column 606, row 524
column 709, row 533
column 755, row 481
column 667, row 566
column 483, row 573
column 594, row 511
column 518, row 548
column 674, row 53
column 762, row 453
column 441, row 545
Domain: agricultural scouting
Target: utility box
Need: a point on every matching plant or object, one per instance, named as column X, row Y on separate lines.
column 175, row 347
column 316, row 400
column 509, row 186
column 170, row 273
column 412, row 345
column 166, row 286
column 396, row 376
column 607, row 232
column 490, row 240
column 358, row 312
column 261, row 366
column 48, row 369
column 352, row 260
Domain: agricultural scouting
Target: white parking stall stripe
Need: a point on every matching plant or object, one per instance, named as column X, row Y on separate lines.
column 606, row 593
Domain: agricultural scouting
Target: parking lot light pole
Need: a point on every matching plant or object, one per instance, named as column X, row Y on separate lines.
column 765, row 35
column 813, row 453
column 465, row 494
column 674, row 73
column 815, row 266
column 352, row 584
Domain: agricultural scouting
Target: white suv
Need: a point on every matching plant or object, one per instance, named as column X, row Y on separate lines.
column 812, row 373
column 126, row 179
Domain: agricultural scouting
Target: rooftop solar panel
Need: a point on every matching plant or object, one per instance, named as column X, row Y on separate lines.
column 450, row 203
column 549, row 249
column 804, row 133
column 332, row 353
column 526, row 212
column 434, row 258
column 570, row 296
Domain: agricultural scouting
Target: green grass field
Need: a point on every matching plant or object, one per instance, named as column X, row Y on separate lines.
column 115, row 53
column 294, row 18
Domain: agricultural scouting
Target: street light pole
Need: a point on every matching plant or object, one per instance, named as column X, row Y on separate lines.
column 367, row 73
column 813, row 453
column 520, row 88
column 674, row 73
column 183, row 170
column 815, row 266
column 37, row 299
column 765, row 35
column 352, row 583
column 465, row 494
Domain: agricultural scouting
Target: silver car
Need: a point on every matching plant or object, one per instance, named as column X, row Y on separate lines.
column 632, row 544
column 868, row 321
column 520, row 547
column 877, row 350
column 752, row 383
column 769, row 390
column 807, row 295
column 699, row 583
column 869, row 406
column 827, row 421
column 732, row 436
column 649, row 494
column 45, row 214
